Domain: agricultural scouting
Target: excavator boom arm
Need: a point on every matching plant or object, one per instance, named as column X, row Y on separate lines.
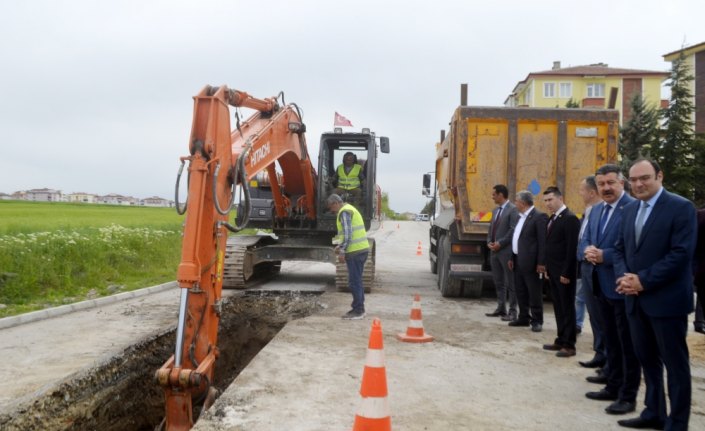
column 273, row 135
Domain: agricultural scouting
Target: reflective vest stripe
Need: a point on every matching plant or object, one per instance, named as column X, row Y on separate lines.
column 349, row 181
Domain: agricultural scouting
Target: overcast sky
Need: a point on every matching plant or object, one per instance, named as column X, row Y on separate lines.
column 96, row 96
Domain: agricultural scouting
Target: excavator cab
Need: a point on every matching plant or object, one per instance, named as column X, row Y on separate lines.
column 361, row 149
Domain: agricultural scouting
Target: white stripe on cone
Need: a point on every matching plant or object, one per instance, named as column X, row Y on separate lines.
column 375, row 358
column 415, row 324
column 374, row 408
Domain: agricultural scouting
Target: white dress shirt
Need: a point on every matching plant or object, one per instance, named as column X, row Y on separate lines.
column 517, row 229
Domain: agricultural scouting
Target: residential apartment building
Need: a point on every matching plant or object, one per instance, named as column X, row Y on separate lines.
column 81, row 197
column 589, row 86
column 43, row 195
column 156, row 201
column 49, row 195
column 695, row 60
column 115, row 199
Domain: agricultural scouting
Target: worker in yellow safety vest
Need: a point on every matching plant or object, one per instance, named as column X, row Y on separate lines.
column 352, row 248
column 349, row 177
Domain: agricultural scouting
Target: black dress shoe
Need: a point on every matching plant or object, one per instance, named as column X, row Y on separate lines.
column 565, row 352
column 578, row 330
column 699, row 328
column 518, row 322
column 553, row 347
column 638, row 422
column 620, row 407
column 600, row 380
column 496, row 313
column 592, row 363
column 602, row 395
column 536, row 327
column 509, row 317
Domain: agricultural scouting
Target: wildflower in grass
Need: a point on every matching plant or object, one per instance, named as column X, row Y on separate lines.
column 53, row 265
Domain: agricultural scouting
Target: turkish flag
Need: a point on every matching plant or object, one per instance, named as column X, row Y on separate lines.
column 341, row 121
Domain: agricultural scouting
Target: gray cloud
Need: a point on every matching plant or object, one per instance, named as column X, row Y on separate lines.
column 96, row 96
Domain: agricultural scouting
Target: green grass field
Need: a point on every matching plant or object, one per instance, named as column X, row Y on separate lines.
column 27, row 217
column 57, row 253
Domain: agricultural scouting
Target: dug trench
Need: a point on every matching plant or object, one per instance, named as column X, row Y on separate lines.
column 120, row 393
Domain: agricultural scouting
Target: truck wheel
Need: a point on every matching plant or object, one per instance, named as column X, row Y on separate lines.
column 434, row 265
column 472, row 288
column 439, row 259
column 449, row 288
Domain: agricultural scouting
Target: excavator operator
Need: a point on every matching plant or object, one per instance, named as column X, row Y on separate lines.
column 349, row 178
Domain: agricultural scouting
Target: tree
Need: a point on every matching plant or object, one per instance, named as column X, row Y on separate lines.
column 389, row 213
column 677, row 150
column 699, row 178
column 428, row 208
column 640, row 134
column 572, row 103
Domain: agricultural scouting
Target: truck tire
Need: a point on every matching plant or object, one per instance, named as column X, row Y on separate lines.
column 449, row 288
column 439, row 259
column 434, row 265
column 472, row 288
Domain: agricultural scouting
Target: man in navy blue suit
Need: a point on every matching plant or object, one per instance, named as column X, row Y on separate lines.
column 653, row 260
column 624, row 373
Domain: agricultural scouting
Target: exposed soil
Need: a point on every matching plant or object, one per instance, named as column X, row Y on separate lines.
column 120, row 393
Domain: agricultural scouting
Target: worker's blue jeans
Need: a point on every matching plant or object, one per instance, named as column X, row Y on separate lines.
column 356, row 263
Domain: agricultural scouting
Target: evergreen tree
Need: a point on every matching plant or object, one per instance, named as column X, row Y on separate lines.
column 572, row 103
column 676, row 152
column 699, row 174
column 640, row 134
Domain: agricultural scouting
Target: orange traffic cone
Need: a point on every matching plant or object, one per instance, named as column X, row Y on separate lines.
column 373, row 414
column 418, row 249
column 414, row 332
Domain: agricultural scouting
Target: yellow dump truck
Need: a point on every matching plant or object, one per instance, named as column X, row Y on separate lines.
column 522, row 148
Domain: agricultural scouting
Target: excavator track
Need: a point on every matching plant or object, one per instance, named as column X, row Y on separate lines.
column 238, row 268
column 368, row 271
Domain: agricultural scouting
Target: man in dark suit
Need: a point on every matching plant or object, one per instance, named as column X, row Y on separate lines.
column 699, row 264
column 653, row 260
column 527, row 263
column 624, row 373
column 561, row 267
column 499, row 241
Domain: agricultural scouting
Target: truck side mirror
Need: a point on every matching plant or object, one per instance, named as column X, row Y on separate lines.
column 426, row 190
column 384, row 144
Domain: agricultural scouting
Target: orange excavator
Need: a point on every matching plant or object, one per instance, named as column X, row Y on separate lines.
column 222, row 162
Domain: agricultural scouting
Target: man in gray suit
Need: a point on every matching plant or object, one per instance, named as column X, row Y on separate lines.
column 499, row 241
